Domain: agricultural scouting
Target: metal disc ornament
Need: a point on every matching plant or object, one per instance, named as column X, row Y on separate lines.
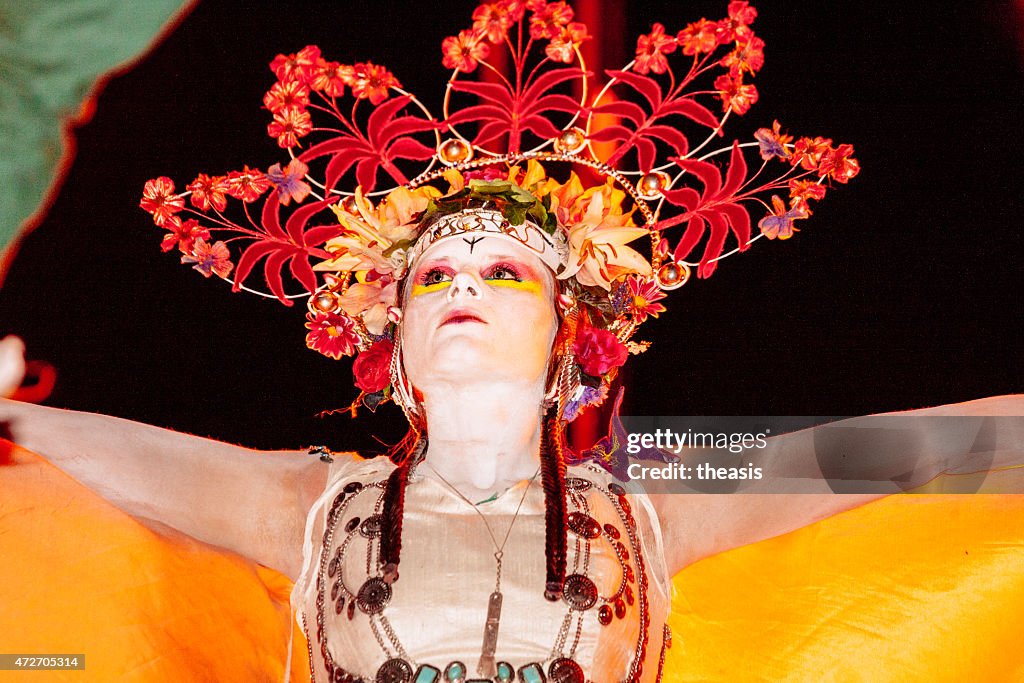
column 577, row 483
column 580, row 592
column 394, row 671
column 373, row 596
column 564, row 670
column 584, row 525
column 371, row 526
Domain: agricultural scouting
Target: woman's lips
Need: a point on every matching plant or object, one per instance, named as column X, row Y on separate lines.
column 461, row 315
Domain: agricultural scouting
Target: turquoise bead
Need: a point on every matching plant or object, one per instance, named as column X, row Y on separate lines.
column 426, row 674
column 531, row 673
column 505, row 672
column 456, row 671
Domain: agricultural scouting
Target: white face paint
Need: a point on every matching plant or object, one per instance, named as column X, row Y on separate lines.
column 478, row 308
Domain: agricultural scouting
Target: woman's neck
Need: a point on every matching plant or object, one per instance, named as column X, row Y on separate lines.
column 483, row 437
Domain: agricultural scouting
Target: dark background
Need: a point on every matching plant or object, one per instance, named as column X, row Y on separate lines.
column 902, row 291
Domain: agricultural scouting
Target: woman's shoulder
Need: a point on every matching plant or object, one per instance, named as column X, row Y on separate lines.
column 345, row 468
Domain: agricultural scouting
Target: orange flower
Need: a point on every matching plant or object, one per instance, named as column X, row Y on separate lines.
column 698, row 37
column 158, row 198
column 748, row 56
column 808, row 152
column 289, row 125
column 651, row 50
column 806, row 189
column 298, row 66
column 736, row 26
column 464, row 51
column 183, row 234
column 734, row 94
column 492, row 20
column 547, row 20
column 597, row 242
column 371, row 231
column 286, row 95
column 563, row 48
column 839, row 164
column 371, row 301
column 207, row 192
column 372, row 82
column 247, row 184
column 331, row 78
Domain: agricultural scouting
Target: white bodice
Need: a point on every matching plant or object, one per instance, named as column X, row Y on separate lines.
column 436, row 610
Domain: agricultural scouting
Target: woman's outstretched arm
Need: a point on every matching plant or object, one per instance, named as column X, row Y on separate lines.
column 251, row 502
column 699, row 525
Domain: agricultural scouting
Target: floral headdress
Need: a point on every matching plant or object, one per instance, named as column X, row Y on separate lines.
column 483, row 165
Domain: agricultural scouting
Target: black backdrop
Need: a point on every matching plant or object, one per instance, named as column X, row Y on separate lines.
column 903, row 290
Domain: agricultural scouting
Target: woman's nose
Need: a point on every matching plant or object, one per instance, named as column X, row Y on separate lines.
column 464, row 284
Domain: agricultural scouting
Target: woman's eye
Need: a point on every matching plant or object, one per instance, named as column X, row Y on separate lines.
column 434, row 276
column 502, row 272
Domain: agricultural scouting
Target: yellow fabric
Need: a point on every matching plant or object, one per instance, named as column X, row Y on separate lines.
column 910, row 588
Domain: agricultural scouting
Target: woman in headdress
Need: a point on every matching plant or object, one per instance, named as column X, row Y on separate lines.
column 492, row 311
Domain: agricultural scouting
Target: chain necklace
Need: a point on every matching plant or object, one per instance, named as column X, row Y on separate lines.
column 487, row 666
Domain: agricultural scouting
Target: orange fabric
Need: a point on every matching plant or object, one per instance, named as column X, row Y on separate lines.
column 927, row 588
column 908, row 588
column 79, row 576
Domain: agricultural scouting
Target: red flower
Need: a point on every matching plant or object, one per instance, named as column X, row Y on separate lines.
column 183, row 234
column 548, row 19
column 207, row 192
column 372, row 81
column 598, row 351
column 700, row 36
column 645, row 292
column 209, row 259
column 331, row 78
column 736, row 26
column 734, row 94
column 331, row 334
column 289, row 182
column 464, row 51
column 487, row 173
column 289, row 125
column 651, row 50
column 808, row 152
column 247, row 184
column 299, row 66
column 286, row 95
column 372, row 367
column 492, row 20
column 748, row 56
column 158, row 198
column 563, row 48
column 772, row 142
column 839, row 164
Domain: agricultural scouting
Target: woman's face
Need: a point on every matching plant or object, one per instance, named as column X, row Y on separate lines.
column 478, row 308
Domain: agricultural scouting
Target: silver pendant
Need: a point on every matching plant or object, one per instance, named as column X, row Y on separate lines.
column 487, row 667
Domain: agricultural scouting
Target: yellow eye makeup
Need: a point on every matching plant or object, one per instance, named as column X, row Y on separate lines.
column 532, row 286
column 418, row 289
